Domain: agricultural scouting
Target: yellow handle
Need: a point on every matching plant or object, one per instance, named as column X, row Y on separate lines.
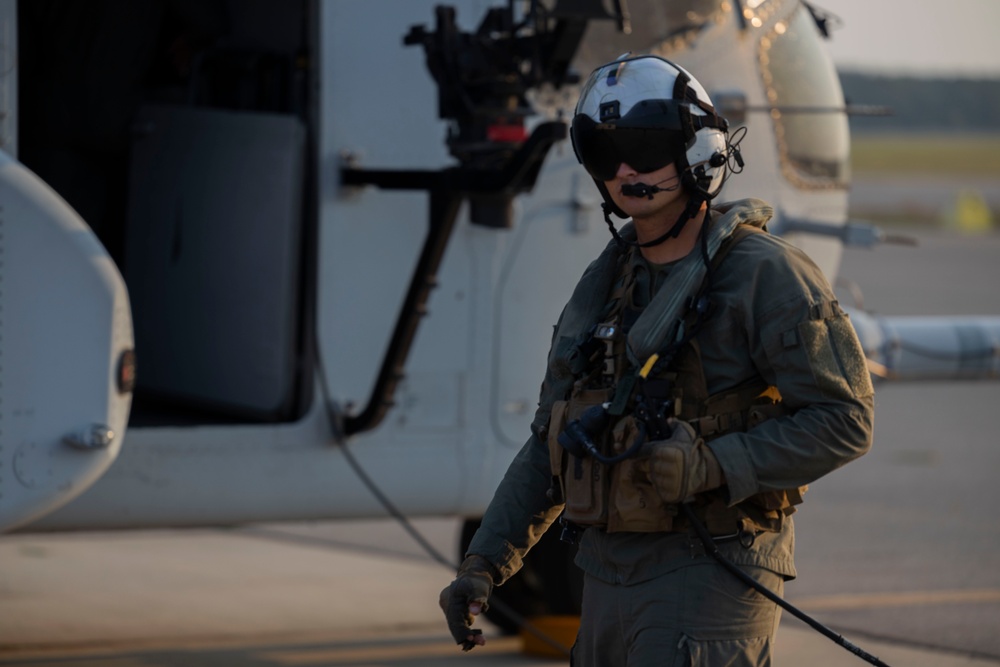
column 648, row 366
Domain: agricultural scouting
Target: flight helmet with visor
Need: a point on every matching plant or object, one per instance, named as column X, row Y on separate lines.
column 649, row 112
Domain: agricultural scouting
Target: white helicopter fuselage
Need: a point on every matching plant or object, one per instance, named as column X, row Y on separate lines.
column 242, row 240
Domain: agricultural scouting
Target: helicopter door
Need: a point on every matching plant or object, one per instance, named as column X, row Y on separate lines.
column 66, row 361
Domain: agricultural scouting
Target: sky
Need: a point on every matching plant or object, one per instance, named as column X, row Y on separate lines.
column 919, row 37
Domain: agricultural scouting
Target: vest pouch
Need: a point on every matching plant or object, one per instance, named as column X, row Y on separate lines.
column 557, row 422
column 755, row 518
column 720, row 519
column 784, row 500
column 584, row 481
column 718, row 516
column 635, row 505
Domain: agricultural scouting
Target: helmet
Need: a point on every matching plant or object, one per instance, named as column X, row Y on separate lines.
column 649, row 112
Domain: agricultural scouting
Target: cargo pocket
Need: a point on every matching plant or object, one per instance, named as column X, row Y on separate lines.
column 749, row 652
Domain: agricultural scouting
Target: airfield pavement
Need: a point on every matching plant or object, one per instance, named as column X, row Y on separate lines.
column 340, row 593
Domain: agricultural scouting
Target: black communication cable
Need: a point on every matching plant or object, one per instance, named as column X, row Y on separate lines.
column 401, row 518
column 713, row 550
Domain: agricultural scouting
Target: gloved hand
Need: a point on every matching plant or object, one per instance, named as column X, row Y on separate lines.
column 463, row 599
column 682, row 465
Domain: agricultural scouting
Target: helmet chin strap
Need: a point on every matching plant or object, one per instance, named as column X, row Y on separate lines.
column 694, row 203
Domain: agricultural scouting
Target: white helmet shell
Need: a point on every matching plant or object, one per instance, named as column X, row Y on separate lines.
column 653, row 93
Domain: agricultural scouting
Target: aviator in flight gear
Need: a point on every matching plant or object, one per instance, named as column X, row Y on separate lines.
column 699, row 361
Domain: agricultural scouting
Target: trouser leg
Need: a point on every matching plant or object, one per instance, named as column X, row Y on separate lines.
column 601, row 640
column 719, row 622
column 697, row 616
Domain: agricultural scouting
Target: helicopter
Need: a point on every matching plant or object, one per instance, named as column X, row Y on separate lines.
column 251, row 242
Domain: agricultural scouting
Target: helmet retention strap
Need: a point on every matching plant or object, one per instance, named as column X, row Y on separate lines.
column 693, row 205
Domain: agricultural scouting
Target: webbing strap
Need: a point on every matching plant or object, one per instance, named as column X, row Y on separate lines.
column 742, row 231
column 662, row 322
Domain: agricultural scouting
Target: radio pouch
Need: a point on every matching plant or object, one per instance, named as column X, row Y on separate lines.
column 584, row 481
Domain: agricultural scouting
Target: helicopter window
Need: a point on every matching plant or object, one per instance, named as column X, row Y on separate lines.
column 807, row 104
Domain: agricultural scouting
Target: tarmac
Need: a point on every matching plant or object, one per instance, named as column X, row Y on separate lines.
column 334, row 593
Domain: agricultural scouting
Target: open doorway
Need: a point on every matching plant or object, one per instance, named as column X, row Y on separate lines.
column 180, row 131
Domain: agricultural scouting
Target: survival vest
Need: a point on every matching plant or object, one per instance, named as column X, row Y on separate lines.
column 620, row 497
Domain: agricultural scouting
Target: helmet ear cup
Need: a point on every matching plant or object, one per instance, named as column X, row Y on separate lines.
column 696, row 182
column 702, row 180
column 709, row 154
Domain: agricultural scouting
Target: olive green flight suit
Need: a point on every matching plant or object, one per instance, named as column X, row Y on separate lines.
column 656, row 598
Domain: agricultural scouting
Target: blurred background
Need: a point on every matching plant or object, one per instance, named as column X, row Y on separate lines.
column 935, row 161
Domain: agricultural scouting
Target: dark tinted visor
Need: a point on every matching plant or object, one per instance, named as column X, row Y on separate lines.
column 648, row 138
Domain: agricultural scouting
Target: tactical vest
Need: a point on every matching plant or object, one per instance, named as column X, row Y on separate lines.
column 620, row 497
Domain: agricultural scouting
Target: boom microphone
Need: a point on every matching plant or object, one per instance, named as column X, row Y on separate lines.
column 644, row 190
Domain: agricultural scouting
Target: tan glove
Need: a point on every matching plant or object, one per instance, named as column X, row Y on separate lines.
column 463, row 599
column 682, row 465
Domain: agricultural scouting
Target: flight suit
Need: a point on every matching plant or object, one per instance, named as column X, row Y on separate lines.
column 655, row 596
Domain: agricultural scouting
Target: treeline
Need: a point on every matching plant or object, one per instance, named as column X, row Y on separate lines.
column 924, row 104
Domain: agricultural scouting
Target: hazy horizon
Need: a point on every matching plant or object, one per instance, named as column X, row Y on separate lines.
column 902, row 37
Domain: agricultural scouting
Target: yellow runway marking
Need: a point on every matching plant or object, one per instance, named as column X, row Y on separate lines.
column 911, row 598
column 374, row 654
